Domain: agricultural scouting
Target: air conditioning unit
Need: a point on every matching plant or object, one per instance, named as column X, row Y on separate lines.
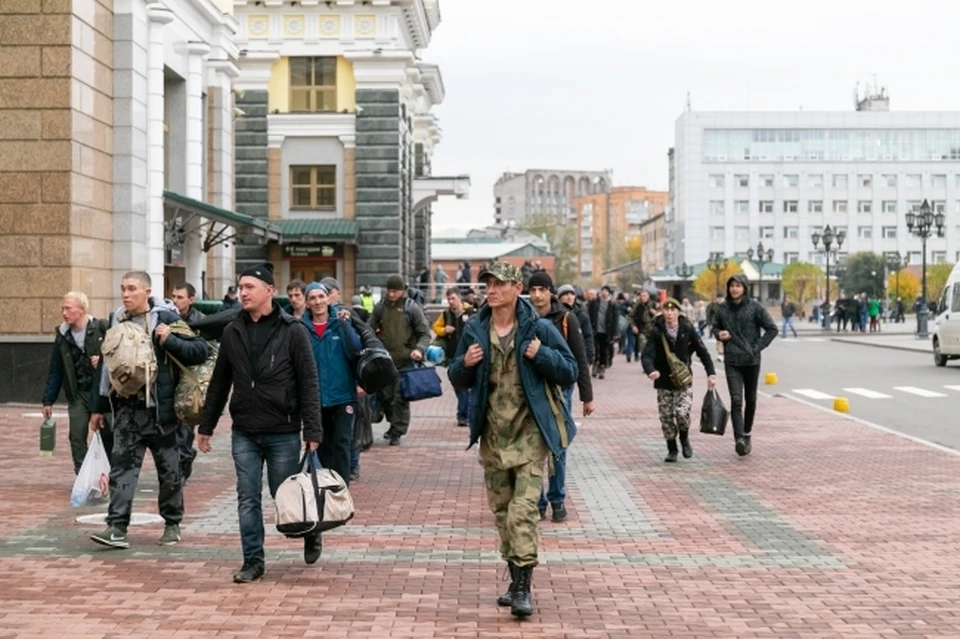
column 845, row 158
column 813, row 156
column 888, row 158
column 721, row 158
column 788, row 158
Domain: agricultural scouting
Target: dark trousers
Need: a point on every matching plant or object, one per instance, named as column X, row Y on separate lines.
column 396, row 409
column 185, row 437
column 603, row 349
column 134, row 431
column 80, row 432
column 742, row 382
column 337, row 447
column 463, row 405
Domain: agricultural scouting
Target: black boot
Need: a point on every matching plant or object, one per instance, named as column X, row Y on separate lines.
column 742, row 446
column 602, row 370
column 685, row 444
column 747, row 447
column 506, row 599
column 522, row 605
column 671, row 451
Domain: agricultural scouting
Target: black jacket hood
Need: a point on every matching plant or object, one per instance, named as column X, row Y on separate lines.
column 739, row 277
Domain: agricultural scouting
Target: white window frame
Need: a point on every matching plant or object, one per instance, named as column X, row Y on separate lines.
column 766, row 232
column 791, row 232
column 815, row 180
column 769, row 208
column 815, row 206
column 864, row 206
column 840, row 177
column 738, row 233
column 791, row 206
column 746, row 207
column 717, row 232
column 768, row 181
column 865, row 180
column 884, row 208
column 886, row 231
column 742, row 180
column 791, row 177
column 840, row 204
column 717, row 180
column 865, row 232
column 891, row 180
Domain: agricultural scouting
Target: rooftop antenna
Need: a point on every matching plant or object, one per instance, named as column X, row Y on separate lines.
column 689, row 108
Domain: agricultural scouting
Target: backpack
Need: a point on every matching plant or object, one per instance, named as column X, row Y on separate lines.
column 314, row 500
column 128, row 353
column 407, row 310
column 680, row 373
column 375, row 369
column 191, row 391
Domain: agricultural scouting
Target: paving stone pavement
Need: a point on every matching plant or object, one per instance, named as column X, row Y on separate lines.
column 830, row 529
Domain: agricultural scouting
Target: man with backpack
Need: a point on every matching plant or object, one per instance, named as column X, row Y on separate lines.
column 183, row 296
column 449, row 328
column 402, row 327
column 548, row 307
column 266, row 357
column 138, row 382
column 567, row 295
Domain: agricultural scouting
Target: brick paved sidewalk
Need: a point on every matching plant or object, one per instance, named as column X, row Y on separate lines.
column 830, row 529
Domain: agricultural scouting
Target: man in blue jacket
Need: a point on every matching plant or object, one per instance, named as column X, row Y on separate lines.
column 333, row 341
column 515, row 364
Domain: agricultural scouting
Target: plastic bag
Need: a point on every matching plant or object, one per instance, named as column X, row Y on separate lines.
column 93, row 480
column 713, row 414
column 362, row 428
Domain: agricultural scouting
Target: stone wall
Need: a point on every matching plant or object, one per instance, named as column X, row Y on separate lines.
column 251, row 169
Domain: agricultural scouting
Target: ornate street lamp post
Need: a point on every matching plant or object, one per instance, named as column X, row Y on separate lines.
column 683, row 272
column 828, row 240
column 924, row 224
column 761, row 259
column 718, row 264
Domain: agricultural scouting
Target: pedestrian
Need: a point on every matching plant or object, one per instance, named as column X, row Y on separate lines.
column 701, row 318
column 366, row 298
column 745, row 328
column 449, row 329
column 642, row 319
column 440, row 278
column 298, row 303
column 712, row 312
column 230, row 299
column 787, row 310
column 567, row 295
column 565, row 321
column 675, row 332
column 73, row 368
column 146, row 419
column 688, row 310
column 402, row 327
column 356, row 305
column 512, row 361
column 874, row 311
column 266, row 358
column 603, row 319
column 183, row 297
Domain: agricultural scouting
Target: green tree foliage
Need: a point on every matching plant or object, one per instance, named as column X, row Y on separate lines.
column 563, row 243
column 707, row 283
column 801, row 281
column 906, row 286
column 937, row 276
column 863, row 272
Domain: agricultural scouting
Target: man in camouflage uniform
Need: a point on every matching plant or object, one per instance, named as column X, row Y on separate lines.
column 515, row 364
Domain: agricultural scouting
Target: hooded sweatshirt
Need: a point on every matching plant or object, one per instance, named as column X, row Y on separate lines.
column 750, row 326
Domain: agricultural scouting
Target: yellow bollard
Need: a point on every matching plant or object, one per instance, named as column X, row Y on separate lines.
column 841, row 405
column 770, row 379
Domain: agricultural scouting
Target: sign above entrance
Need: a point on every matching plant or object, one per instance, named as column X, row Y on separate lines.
column 313, row 250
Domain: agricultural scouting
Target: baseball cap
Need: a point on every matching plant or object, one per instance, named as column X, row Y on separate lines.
column 503, row 271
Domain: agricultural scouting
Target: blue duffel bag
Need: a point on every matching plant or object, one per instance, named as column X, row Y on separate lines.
column 419, row 382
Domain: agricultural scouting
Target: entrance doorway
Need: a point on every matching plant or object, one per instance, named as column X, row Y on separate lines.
column 312, row 270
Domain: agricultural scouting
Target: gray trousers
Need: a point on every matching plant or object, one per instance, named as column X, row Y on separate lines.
column 396, row 409
column 134, row 431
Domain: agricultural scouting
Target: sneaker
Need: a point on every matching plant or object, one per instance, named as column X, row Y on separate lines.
column 388, row 434
column 312, row 547
column 462, row 423
column 559, row 513
column 170, row 536
column 250, row 571
column 113, row 536
column 355, row 473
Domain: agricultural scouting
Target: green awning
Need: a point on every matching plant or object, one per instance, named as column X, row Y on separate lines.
column 307, row 231
column 244, row 224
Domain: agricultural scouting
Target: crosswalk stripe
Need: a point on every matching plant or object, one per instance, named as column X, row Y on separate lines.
column 811, row 393
column 866, row 392
column 956, row 388
column 922, row 392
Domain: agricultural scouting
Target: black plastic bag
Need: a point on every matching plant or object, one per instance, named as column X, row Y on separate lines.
column 362, row 428
column 713, row 414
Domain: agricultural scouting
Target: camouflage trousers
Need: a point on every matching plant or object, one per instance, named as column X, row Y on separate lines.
column 674, row 407
column 513, row 494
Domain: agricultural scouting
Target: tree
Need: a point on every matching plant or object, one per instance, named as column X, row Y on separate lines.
column 937, row 276
column 707, row 284
column 802, row 280
column 909, row 286
column 563, row 243
column 863, row 272
column 628, row 253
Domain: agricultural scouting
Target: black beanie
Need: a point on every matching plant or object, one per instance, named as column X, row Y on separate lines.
column 262, row 272
column 540, row 278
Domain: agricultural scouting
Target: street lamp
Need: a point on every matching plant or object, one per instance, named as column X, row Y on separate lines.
column 828, row 239
column 718, row 264
column 924, row 224
column 683, row 272
column 762, row 258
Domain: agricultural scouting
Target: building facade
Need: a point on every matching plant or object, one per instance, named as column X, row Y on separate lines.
column 518, row 195
column 116, row 124
column 626, row 208
column 743, row 178
column 337, row 137
column 653, row 240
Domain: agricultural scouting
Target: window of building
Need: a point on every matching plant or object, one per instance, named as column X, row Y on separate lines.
column 815, row 257
column 313, row 187
column 890, row 180
column 889, row 232
column 791, row 181
column 790, row 232
column 839, row 206
column 742, row 232
column 888, row 206
column 790, row 206
column 815, row 206
column 742, row 180
column 766, row 206
column 914, row 181
column 717, row 181
column 938, row 181
column 716, row 207
column 815, row 180
column 767, row 181
column 791, row 258
column 913, row 205
column 313, row 84
column 766, row 232
column 939, row 206
column 741, row 206
column 864, row 180
column 839, row 181
column 865, row 232
column 864, row 206
column 716, row 232
column 915, row 257
column 939, row 257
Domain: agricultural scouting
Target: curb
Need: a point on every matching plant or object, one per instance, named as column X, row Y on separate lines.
column 897, row 347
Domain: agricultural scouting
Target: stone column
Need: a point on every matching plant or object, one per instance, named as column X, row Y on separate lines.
column 193, row 245
column 221, row 73
column 158, row 16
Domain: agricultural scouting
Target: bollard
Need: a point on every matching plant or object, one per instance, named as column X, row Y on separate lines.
column 770, row 379
column 841, row 405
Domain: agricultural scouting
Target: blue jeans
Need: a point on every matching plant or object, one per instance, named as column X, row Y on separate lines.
column 631, row 344
column 463, row 405
column 788, row 321
column 557, row 490
column 282, row 456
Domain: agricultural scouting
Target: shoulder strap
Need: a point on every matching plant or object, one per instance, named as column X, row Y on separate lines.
column 566, row 315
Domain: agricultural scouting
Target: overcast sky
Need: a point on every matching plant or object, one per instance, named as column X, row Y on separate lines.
column 594, row 84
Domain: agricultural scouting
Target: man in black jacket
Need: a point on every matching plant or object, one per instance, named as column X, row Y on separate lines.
column 745, row 328
column 548, row 307
column 265, row 354
column 145, row 420
column 567, row 295
column 604, row 314
column 183, row 297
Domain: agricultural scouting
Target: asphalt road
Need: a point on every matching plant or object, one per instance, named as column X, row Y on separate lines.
column 900, row 390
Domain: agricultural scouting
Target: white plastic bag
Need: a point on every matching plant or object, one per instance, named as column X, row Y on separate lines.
column 93, row 480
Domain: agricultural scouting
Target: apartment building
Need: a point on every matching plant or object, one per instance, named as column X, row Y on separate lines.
column 518, row 195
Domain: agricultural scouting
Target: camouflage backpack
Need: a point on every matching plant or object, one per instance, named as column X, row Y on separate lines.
column 192, row 389
column 128, row 353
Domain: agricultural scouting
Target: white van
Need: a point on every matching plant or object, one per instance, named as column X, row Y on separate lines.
column 946, row 332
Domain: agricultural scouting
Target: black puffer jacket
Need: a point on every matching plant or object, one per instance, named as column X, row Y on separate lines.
column 277, row 396
column 688, row 342
column 576, row 343
column 750, row 326
column 586, row 329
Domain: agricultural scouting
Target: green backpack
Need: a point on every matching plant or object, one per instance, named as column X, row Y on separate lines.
column 680, row 373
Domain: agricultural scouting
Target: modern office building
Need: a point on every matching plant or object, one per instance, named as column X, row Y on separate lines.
column 740, row 178
column 517, row 195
